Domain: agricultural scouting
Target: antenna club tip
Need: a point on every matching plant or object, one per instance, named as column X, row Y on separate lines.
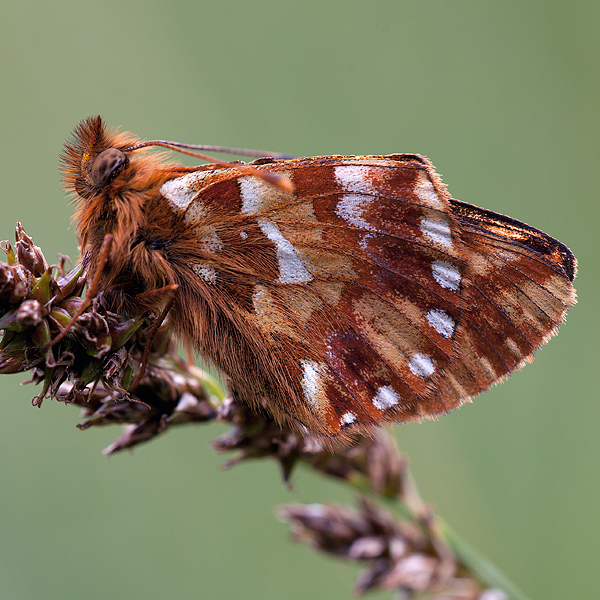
column 287, row 185
column 279, row 181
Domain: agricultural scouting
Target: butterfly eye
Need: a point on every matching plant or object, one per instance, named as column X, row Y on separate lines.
column 106, row 165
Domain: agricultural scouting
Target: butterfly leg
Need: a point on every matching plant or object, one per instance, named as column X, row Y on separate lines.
column 92, row 292
column 170, row 292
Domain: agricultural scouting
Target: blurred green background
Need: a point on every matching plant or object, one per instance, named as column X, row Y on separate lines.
column 502, row 96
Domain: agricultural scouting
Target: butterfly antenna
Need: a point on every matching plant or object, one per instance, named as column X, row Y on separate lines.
column 178, row 146
column 279, row 181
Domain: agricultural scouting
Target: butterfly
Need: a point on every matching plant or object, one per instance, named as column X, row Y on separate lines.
column 339, row 292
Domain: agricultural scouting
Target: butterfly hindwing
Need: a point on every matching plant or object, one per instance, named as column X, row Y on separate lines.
column 376, row 295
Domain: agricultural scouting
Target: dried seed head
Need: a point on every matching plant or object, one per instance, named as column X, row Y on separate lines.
column 15, row 283
column 375, row 459
column 28, row 254
column 414, row 572
column 7, row 281
column 163, row 399
column 398, row 555
column 29, row 314
column 257, row 435
column 394, row 551
column 93, row 365
column 12, row 353
column 36, row 306
column 96, row 340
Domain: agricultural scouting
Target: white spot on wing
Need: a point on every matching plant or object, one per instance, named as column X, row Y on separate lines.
column 486, row 365
column 426, row 193
column 513, row 347
column 207, row 273
column 422, row 365
column 260, row 297
column 356, row 180
column 347, row 418
column 353, row 178
column 437, row 229
column 385, row 398
column 441, row 321
column 291, row 268
column 181, row 191
column 252, row 191
column 351, row 208
column 258, row 195
column 364, row 241
column 312, row 382
column 446, row 274
column 211, row 242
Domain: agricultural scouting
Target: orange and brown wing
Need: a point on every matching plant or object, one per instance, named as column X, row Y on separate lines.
column 373, row 295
